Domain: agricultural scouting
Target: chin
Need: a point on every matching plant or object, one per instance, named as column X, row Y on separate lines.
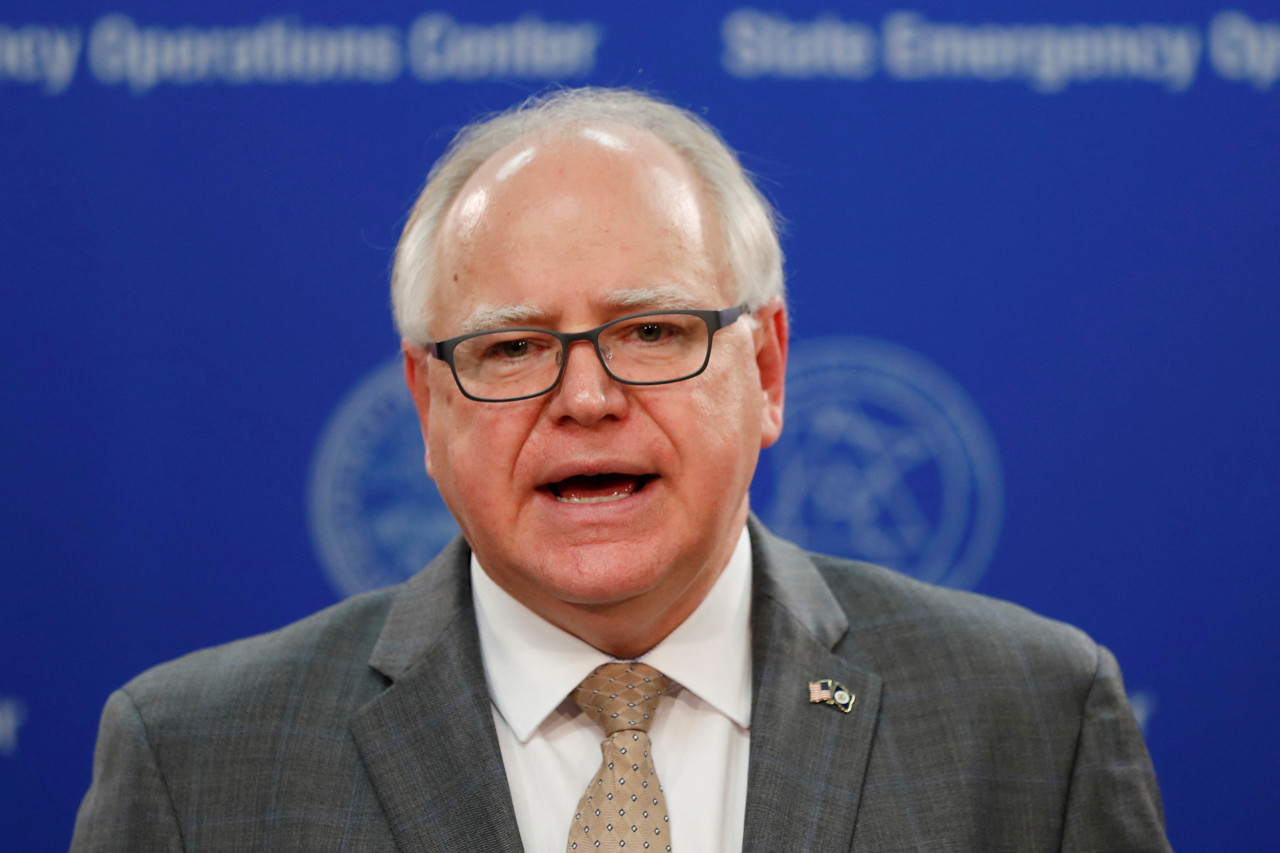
column 601, row 574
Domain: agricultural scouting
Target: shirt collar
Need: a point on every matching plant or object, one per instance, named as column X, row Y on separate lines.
column 531, row 665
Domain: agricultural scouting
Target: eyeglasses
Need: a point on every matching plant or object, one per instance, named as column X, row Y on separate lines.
column 650, row 348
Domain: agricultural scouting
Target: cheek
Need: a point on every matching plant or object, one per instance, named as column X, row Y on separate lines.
column 738, row 390
column 460, row 472
column 448, row 445
column 475, row 448
column 722, row 423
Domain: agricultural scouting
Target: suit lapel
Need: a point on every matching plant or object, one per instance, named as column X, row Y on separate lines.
column 431, row 753
column 428, row 743
column 808, row 761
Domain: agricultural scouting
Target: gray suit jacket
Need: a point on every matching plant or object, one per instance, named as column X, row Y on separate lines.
column 977, row 726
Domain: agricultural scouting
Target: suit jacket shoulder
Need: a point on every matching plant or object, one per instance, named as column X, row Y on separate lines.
column 339, row 732
column 268, row 672
column 903, row 627
column 978, row 725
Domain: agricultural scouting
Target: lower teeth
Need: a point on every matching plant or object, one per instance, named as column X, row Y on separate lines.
column 600, row 499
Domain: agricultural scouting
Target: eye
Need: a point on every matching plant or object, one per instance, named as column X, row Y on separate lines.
column 507, row 350
column 512, row 349
column 652, row 332
column 651, row 335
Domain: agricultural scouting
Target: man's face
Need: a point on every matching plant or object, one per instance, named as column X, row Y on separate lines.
column 598, row 498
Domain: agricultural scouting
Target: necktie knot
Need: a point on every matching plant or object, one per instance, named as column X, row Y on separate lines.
column 622, row 695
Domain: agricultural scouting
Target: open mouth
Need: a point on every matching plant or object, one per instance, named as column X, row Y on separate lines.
column 597, row 488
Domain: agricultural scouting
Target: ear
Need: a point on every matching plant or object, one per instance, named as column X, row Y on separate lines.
column 415, row 376
column 771, row 338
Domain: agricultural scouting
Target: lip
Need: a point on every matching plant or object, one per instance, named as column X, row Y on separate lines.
column 594, row 468
column 597, row 511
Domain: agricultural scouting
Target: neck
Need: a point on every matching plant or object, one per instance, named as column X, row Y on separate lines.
column 627, row 628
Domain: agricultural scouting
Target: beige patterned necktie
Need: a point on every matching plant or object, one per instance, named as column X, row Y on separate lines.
column 623, row 808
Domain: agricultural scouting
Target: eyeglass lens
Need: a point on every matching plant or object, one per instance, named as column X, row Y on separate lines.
column 654, row 348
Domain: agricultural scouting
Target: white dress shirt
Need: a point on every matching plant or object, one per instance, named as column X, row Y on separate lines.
column 700, row 734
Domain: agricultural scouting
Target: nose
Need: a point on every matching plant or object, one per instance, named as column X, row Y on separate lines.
column 586, row 393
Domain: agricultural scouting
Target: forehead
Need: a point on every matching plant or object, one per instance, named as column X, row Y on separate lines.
column 599, row 214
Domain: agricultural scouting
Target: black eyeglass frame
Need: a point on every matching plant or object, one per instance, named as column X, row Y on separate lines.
column 715, row 320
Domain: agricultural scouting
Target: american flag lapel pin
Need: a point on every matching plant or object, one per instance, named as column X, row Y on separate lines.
column 832, row 692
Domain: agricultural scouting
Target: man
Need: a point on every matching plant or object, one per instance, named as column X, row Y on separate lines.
column 589, row 293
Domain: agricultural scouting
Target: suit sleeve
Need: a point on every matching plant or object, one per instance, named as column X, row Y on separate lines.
column 1114, row 802
column 128, row 806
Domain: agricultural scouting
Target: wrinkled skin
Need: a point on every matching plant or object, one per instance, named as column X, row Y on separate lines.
column 608, row 509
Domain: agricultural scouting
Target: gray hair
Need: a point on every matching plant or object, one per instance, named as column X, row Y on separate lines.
column 747, row 219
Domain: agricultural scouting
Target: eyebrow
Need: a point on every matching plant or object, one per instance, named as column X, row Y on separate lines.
column 649, row 298
column 498, row 316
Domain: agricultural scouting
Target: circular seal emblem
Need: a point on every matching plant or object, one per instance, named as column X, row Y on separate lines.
column 376, row 518
column 885, row 458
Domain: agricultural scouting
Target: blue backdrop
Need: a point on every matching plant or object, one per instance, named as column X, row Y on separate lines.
column 1032, row 252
